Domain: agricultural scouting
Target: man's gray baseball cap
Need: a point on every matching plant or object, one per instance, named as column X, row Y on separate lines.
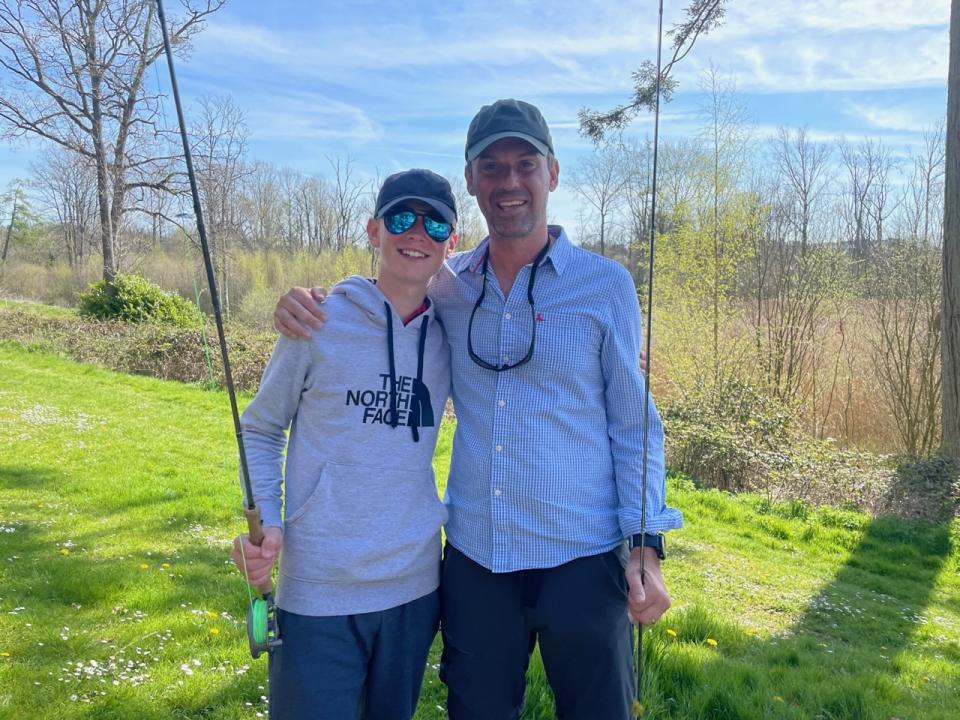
column 504, row 119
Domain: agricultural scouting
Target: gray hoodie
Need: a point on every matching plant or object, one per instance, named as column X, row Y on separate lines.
column 361, row 522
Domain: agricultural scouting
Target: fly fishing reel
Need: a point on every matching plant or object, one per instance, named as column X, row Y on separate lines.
column 262, row 630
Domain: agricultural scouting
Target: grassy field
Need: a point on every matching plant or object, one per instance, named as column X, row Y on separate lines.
column 118, row 499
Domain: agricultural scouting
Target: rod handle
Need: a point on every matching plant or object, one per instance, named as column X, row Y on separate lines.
column 254, row 524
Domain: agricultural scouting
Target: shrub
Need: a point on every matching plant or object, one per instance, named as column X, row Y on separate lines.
column 134, row 299
column 734, row 438
column 728, row 436
column 155, row 349
column 927, row 488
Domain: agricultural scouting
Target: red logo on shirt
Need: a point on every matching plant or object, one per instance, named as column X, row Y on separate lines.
column 539, row 317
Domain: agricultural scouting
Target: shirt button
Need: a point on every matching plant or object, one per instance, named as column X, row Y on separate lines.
column 497, row 492
column 502, row 403
column 506, row 358
column 499, row 448
column 508, row 316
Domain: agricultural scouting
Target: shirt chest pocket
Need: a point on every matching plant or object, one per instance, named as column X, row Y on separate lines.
column 568, row 343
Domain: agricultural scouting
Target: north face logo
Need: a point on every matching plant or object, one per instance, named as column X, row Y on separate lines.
column 413, row 402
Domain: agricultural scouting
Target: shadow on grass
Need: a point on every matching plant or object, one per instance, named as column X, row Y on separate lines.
column 843, row 659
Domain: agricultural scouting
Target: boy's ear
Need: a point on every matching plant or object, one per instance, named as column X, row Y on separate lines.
column 452, row 244
column 373, row 232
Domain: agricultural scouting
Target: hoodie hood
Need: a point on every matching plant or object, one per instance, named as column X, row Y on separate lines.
column 364, row 293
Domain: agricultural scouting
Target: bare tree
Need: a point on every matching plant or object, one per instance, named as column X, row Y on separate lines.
column 66, row 185
column 922, row 204
column 865, row 200
column 638, row 194
column 75, row 73
column 347, row 201
column 219, row 149
column 950, row 317
column 471, row 228
column 601, row 179
column 905, row 299
column 15, row 198
column 803, row 167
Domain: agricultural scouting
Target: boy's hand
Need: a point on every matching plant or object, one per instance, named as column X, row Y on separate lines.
column 648, row 598
column 299, row 312
column 259, row 560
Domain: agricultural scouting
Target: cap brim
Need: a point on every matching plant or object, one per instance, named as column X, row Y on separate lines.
column 478, row 147
column 442, row 208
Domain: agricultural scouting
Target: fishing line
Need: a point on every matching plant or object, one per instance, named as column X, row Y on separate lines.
column 261, row 617
column 638, row 706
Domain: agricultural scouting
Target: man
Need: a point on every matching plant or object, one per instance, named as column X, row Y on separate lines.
column 362, row 400
column 545, row 479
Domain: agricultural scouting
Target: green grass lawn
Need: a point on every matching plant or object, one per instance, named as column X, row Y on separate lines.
column 118, row 499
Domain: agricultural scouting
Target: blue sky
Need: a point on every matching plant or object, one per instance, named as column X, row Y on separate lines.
column 394, row 84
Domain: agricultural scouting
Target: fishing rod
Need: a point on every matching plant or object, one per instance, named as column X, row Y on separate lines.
column 262, row 632
column 638, row 707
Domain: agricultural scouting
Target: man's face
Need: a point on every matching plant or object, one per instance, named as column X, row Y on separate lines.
column 411, row 256
column 511, row 182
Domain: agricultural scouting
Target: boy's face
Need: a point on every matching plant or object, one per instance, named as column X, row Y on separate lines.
column 411, row 257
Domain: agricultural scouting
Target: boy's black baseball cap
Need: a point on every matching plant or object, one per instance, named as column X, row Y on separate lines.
column 507, row 118
column 418, row 184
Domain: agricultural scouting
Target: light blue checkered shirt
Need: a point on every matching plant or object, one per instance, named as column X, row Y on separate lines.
column 547, row 457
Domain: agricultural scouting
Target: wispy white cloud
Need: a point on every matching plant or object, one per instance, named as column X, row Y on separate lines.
column 309, row 116
column 887, row 116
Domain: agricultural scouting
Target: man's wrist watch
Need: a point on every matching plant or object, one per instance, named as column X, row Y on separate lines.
column 650, row 540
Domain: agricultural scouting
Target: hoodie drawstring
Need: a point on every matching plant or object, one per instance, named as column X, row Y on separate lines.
column 418, row 398
column 393, row 370
column 417, row 413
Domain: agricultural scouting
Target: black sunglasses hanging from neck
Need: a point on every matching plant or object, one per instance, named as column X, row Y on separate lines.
column 533, row 318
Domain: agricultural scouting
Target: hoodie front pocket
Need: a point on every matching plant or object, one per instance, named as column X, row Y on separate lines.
column 364, row 524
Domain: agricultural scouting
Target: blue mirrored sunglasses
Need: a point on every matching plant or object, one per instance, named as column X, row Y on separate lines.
column 399, row 221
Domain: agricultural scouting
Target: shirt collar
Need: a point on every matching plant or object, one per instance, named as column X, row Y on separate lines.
column 558, row 255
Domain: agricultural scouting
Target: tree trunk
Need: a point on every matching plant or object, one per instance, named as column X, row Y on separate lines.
column 6, row 241
column 950, row 316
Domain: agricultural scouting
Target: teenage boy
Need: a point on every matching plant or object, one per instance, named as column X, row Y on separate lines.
column 357, row 599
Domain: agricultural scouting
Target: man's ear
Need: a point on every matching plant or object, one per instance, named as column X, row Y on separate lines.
column 373, row 232
column 468, row 177
column 554, row 173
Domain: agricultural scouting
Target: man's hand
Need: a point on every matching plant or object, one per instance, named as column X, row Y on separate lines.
column 298, row 312
column 643, row 362
column 648, row 598
column 259, row 560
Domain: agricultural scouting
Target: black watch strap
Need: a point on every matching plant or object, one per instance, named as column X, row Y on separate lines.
column 650, row 540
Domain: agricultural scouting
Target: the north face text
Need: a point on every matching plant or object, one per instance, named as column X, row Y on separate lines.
column 413, row 402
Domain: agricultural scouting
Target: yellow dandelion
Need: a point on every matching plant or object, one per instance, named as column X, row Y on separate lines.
column 214, row 631
column 777, row 698
column 4, row 654
column 143, row 566
column 165, row 565
column 637, row 709
column 211, row 613
column 64, row 551
column 671, row 632
column 711, row 642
